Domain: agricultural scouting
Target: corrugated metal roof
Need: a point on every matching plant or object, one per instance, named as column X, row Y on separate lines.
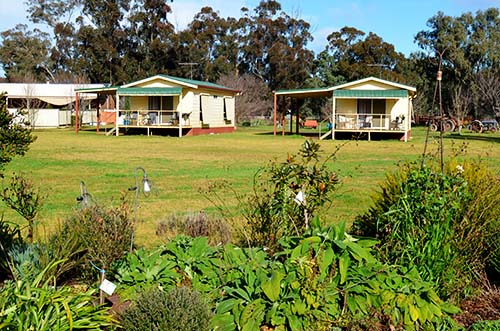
column 370, row 93
column 28, row 90
column 199, row 83
column 164, row 91
column 307, row 93
column 108, row 90
column 374, row 79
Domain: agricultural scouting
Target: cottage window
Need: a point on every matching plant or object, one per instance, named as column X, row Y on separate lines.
column 371, row 106
column 161, row 103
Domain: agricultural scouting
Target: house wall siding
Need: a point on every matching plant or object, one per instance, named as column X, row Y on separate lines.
column 230, row 110
column 400, row 107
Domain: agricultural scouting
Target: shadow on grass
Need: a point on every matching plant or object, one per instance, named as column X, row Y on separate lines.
column 288, row 134
column 487, row 137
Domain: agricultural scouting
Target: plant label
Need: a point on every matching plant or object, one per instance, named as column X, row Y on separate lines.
column 107, row 287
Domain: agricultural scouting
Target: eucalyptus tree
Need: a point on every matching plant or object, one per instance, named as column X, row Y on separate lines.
column 208, row 46
column 151, row 43
column 273, row 46
column 108, row 40
column 25, row 53
column 357, row 55
column 468, row 48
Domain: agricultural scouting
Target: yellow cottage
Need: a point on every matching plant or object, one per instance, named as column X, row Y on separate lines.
column 367, row 106
column 165, row 104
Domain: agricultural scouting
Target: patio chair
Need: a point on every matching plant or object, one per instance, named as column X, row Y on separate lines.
column 368, row 122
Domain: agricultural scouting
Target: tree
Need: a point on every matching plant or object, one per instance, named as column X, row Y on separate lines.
column 273, row 46
column 210, row 44
column 468, row 45
column 358, row 56
column 487, row 92
column 255, row 98
column 151, row 43
column 26, row 53
column 14, row 138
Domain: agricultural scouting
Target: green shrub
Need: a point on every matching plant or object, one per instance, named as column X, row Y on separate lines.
column 442, row 224
column 23, row 197
column 183, row 261
column 145, row 269
column 322, row 280
column 103, row 233
column 41, row 306
column 198, row 224
column 65, row 246
column 26, row 262
column 485, row 326
column 285, row 197
column 181, row 309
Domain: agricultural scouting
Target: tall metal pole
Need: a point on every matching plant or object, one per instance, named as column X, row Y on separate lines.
column 76, row 113
column 275, row 110
column 441, row 114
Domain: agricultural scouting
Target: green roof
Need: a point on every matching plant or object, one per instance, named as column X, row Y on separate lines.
column 370, row 93
column 198, row 82
column 149, row 91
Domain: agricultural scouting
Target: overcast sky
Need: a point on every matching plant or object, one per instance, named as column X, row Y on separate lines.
column 396, row 21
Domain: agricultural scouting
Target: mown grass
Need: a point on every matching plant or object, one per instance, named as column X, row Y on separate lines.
column 180, row 167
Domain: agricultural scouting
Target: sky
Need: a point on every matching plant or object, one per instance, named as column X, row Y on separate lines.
column 396, row 21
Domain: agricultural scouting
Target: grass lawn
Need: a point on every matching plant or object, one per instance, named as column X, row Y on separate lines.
column 179, row 167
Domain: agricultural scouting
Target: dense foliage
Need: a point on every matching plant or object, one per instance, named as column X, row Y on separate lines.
column 39, row 305
column 14, row 138
column 443, row 224
column 179, row 309
column 103, row 233
column 320, row 280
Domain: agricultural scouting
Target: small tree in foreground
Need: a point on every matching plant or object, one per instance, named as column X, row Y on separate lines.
column 285, row 197
column 26, row 199
column 14, row 138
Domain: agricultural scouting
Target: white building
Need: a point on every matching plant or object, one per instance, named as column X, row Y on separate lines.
column 46, row 105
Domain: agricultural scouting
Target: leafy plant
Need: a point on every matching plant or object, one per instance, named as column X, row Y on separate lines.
column 142, row 270
column 285, row 197
column 64, row 246
column 321, row 280
column 24, row 198
column 38, row 305
column 180, row 309
column 443, row 224
column 183, row 261
column 485, row 326
column 25, row 259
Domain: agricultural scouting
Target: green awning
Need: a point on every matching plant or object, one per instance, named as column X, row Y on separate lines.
column 382, row 94
column 137, row 91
